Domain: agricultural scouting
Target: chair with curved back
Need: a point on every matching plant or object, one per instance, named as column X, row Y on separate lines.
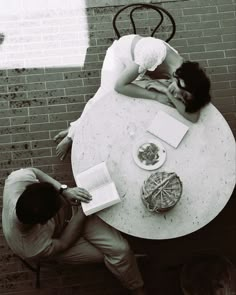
column 163, row 14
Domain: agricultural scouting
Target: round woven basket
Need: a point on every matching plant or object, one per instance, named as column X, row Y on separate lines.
column 161, row 191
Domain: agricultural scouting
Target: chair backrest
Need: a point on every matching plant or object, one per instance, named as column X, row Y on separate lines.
column 163, row 16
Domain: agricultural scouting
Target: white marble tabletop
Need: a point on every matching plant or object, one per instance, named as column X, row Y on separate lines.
column 204, row 161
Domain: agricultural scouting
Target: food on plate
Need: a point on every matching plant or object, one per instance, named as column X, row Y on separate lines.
column 148, row 153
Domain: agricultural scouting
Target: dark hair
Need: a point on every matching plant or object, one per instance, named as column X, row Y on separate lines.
column 38, row 203
column 197, row 83
column 206, row 274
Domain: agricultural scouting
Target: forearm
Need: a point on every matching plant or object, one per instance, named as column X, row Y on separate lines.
column 136, row 91
column 180, row 106
column 73, row 195
column 43, row 177
column 72, row 231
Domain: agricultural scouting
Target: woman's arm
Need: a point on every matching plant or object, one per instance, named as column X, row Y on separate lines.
column 125, row 86
column 178, row 103
column 180, row 106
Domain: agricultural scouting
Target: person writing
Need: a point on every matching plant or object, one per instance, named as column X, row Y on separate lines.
column 134, row 57
column 43, row 220
column 148, row 68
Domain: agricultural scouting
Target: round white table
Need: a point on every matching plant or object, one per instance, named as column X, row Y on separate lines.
column 204, row 161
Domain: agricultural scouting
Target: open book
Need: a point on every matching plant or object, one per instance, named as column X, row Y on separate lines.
column 98, row 182
column 168, row 128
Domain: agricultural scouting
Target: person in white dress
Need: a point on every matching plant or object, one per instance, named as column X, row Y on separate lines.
column 147, row 68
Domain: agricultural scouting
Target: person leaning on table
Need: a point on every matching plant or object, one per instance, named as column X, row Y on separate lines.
column 168, row 79
column 43, row 219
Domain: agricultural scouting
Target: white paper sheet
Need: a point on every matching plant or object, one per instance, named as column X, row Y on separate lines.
column 168, row 128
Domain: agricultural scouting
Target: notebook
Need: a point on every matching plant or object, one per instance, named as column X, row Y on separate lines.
column 168, row 128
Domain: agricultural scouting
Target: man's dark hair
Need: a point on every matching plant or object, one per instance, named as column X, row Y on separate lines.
column 38, row 203
column 197, row 83
column 208, row 274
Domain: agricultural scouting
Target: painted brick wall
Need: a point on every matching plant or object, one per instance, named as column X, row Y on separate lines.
column 38, row 99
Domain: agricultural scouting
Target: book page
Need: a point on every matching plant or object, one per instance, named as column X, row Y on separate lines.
column 102, row 197
column 94, row 177
column 168, row 128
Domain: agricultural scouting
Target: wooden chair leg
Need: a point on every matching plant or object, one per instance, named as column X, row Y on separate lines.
column 37, row 284
column 35, row 269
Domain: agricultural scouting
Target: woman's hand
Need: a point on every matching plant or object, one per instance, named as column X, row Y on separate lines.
column 176, row 99
column 157, row 86
column 180, row 105
column 76, row 195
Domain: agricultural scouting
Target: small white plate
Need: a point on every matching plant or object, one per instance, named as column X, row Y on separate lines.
column 149, row 154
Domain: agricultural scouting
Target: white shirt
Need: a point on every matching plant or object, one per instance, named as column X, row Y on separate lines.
column 37, row 240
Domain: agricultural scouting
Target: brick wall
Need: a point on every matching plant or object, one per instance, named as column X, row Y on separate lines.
column 46, row 80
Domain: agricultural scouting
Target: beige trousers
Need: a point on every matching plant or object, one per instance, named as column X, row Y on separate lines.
column 101, row 242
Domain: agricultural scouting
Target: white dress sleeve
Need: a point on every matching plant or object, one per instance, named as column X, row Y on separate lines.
column 149, row 53
column 72, row 129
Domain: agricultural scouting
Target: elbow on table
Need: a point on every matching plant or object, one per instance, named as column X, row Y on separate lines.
column 193, row 117
column 122, row 87
column 119, row 87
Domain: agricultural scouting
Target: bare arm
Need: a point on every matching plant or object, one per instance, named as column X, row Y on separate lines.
column 70, row 234
column 125, row 86
column 71, row 194
column 178, row 103
column 43, row 177
column 74, row 228
column 180, row 106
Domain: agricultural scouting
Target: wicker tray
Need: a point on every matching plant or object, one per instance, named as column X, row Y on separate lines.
column 161, row 191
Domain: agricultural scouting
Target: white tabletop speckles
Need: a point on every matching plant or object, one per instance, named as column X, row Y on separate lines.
column 204, row 161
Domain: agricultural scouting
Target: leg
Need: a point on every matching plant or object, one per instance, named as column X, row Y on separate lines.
column 118, row 256
column 81, row 252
